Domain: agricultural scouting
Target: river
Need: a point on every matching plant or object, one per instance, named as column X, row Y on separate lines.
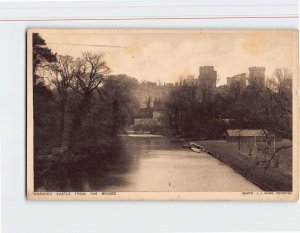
column 158, row 164
column 147, row 163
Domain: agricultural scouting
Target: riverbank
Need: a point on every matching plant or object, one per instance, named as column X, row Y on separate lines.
column 273, row 179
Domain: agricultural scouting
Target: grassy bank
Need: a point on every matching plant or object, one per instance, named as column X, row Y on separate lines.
column 273, row 179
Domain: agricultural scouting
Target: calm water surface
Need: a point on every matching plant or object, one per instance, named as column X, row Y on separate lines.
column 157, row 164
column 149, row 163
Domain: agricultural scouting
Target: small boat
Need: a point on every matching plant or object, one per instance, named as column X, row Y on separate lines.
column 196, row 148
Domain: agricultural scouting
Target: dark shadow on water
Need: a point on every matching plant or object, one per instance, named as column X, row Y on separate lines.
column 94, row 168
column 83, row 169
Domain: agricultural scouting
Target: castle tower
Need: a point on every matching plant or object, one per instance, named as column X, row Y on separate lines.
column 207, row 77
column 257, row 76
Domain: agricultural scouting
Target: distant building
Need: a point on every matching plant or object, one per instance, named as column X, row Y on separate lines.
column 207, row 77
column 151, row 116
column 189, row 80
column 149, row 92
column 158, row 117
column 247, row 135
column 238, row 81
column 144, row 117
column 257, row 76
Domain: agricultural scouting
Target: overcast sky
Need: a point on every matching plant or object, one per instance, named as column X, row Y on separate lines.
column 166, row 55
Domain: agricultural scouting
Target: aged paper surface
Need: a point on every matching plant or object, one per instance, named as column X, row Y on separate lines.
column 162, row 114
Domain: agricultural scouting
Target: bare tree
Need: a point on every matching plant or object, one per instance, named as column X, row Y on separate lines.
column 91, row 71
column 270, row 107
column 61, row 74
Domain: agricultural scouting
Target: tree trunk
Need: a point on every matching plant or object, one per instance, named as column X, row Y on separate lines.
column 79, row 117
column 62, row 109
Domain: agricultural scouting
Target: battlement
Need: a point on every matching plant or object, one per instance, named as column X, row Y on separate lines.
column 206, row 69
column 257, row 69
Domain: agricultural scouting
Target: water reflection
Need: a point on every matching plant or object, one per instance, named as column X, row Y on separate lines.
column 90, row 172
column 143, row 163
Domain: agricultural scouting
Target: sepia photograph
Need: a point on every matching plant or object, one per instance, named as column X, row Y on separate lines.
column 156, row 114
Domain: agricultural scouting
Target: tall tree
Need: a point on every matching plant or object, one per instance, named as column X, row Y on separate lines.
column 43, row 99
column 41, row 55
column 269, row 107
column 60, row 75
column 118, row 93
column 91, row 71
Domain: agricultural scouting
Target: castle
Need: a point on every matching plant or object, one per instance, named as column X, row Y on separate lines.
column 152, row 96
column 238, row 81
column 207, row 77
column 256, row 77
column 149, row 92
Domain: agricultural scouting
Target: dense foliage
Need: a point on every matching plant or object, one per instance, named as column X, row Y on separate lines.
column 202, row 113
column 77, row 103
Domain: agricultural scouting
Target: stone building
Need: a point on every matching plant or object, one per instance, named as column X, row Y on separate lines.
column 189, row 80
column 207, row 77
column 257, row 76
column 144, row 117
column 238, row 81
column 149, row 92
column 151, row 116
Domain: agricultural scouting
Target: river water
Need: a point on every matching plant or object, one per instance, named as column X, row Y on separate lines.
column 147, row 163
column 158, row 164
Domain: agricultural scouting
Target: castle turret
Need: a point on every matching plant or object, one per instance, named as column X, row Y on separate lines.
column 257, row 76
column 207, row 77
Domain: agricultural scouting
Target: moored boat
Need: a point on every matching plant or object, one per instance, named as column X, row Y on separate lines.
column 196, row 148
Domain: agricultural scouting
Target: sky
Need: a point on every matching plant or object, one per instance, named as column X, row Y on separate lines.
column 164, row 56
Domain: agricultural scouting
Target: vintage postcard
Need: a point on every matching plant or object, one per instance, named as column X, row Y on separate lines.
column 123, row 114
